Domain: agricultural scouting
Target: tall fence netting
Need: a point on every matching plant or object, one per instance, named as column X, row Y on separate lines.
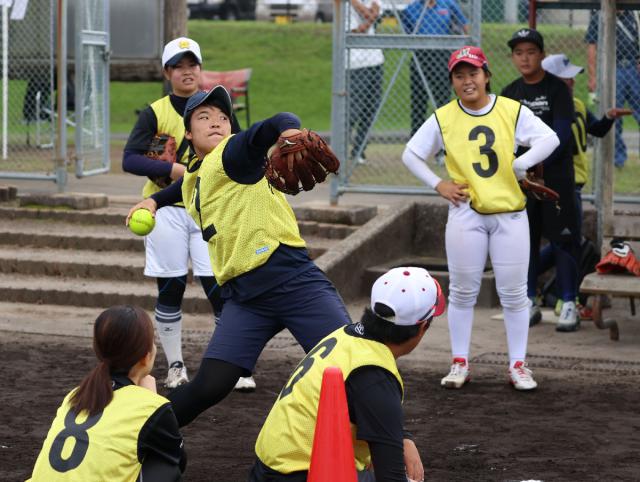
column 391, row 91
column 28, row 84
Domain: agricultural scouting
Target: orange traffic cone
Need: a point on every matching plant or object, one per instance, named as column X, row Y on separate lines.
column 332, row 457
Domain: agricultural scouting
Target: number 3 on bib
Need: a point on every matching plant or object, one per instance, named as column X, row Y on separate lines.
column 486, row 150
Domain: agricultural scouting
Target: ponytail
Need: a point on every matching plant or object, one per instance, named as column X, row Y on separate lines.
column 95, row 391
column 122, row 336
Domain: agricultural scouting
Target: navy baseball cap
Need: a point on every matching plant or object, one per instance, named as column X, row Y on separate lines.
column 218, row 97
column 526, row 35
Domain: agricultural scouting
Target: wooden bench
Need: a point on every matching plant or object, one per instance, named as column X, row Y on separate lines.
column 602, row 285
column 626, row 225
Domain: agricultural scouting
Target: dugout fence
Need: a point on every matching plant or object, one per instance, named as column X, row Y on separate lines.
column 55, row 89
column 384, row 99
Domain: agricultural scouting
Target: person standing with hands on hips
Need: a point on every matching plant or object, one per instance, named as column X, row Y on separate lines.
column 267, row 278
column 479, row 132
column 550, row 99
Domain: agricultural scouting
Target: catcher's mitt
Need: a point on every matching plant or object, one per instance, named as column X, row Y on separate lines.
column 533, row 185
column 295, row 163
column 163, row 148
column 621, row 259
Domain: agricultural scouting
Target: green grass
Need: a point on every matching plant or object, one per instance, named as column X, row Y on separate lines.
column 292, row 72
column 292, row 66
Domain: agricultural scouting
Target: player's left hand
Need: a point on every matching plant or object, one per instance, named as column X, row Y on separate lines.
column 412, row 461
column 148, row 204
column 617, row 112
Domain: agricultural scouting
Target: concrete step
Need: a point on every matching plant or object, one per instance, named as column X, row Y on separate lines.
column 115, row 214
column 74, row 258
column 326, row 230
column 114, row 265
column 101, row 216
column 83, row 292
column 65, row 235
column 349, row 215
column 437, row 267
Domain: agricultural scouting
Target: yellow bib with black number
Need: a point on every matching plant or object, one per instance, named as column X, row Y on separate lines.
column 243, row 223
column 579, row 128
column 285, row 441
column 97, row 448
column 171, row 123
column 479, row 151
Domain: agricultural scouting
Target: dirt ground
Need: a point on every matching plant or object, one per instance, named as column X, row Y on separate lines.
column 575, row 427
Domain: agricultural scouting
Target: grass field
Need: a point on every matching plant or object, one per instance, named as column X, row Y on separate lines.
column 292, row 66
column 292, row 71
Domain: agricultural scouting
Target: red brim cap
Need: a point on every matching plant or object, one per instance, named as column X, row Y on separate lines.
column 441, row 304
column 469, row 55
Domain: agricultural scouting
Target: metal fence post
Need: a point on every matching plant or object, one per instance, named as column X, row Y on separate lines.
column 61, row 92
column 338, row 96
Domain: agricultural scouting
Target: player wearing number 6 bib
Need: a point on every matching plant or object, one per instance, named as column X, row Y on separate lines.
column 479, row 133
column 115, row 426
column 404, row 301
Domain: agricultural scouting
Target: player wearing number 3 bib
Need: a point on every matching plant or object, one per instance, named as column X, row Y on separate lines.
column 479, row 133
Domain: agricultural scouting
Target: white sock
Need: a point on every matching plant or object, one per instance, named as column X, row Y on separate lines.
column 516, row 324
column 169, row 326
column 460, row 325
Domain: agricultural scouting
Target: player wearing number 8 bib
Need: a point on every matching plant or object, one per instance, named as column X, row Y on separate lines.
column 479, row 133
column 115, row 426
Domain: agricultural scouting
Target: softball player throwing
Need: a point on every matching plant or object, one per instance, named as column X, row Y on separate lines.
column 479, row 133
column 267, row 279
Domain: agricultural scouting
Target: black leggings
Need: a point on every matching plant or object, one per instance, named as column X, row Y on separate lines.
column 213, row 382
column 212, row 290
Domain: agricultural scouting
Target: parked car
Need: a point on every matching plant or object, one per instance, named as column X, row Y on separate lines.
column 222, row 9
column 295, row 10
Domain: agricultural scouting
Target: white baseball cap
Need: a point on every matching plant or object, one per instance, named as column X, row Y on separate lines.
column 559, row 65
column 177, row 48
column 412, row 294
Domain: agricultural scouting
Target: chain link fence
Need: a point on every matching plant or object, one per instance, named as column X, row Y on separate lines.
column 31, row 146
column 92, row 87
column 394, row 73
column 28, row 89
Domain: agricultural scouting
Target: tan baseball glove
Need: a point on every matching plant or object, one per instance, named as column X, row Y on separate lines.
column 295, row 163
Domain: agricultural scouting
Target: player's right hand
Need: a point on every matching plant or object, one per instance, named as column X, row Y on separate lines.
column 149, row 382
column 452, row 192
column 148, row 204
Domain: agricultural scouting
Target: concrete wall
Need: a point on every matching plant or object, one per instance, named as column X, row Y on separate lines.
column 380, row 240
